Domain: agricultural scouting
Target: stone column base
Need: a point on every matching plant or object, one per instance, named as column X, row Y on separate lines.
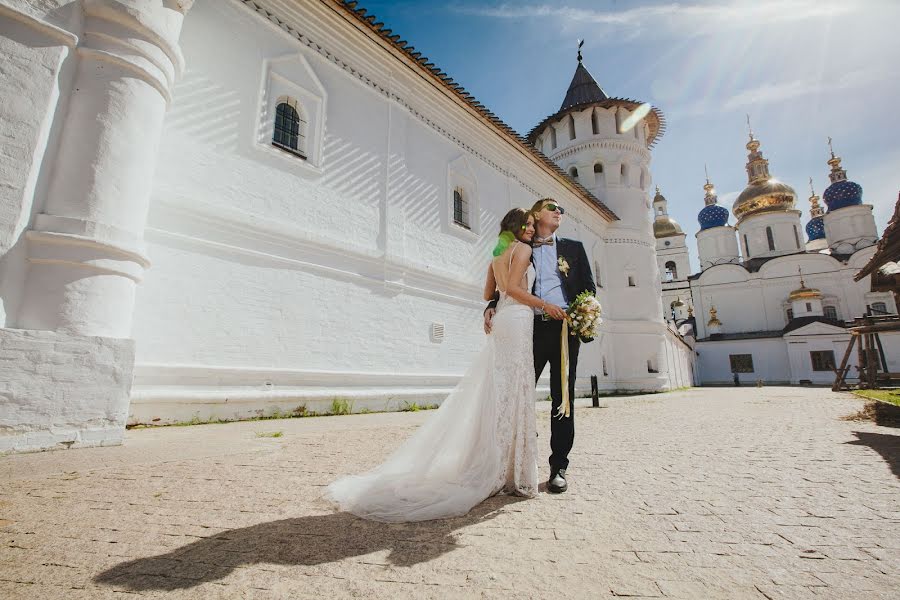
column 61, row 390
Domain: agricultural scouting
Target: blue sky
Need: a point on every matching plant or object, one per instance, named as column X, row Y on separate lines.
column 802, row 69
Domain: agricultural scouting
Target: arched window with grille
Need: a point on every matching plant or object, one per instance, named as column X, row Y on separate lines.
column 290, row 128
column 879, row 308
column 770, row 237
column 573, row 172
column 830, row 313
column 460, row 208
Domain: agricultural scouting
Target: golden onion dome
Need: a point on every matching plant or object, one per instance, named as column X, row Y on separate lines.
column 763, row 192
column 804, row 292
column 666, row 226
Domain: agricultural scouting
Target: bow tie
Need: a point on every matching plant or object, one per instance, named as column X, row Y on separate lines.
column 536, row 242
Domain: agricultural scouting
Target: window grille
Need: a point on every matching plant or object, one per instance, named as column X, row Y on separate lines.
column 831, row 313
column 770, row 238
column 741, row 363
column 460, row 209
column 879, row 308
column 289, row 131
column 822, row 360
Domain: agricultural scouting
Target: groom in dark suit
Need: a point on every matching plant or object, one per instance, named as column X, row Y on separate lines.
column 562, row 272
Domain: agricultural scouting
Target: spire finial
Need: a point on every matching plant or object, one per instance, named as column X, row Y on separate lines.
column 749, row 127
column 812, row 190
column 830, row 148
column 802, row 283
column 706, row 171
column 657, row 190
column 580, row 44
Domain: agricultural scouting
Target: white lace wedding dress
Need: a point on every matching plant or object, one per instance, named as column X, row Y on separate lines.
column 480, row 442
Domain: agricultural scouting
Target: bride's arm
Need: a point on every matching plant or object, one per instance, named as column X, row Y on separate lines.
column 521, row 260
column 490, row 285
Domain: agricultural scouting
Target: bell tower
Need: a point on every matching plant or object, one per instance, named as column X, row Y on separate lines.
column 604, row 143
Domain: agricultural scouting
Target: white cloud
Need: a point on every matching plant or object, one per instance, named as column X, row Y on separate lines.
column 674, row 16
column 787, row 90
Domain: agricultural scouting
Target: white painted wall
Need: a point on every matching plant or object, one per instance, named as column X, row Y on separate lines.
column 276, row 284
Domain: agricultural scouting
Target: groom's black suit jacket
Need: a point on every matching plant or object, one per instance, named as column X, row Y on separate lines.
column 579, row 277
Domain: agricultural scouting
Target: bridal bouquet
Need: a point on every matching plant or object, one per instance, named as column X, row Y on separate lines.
column 583, row 316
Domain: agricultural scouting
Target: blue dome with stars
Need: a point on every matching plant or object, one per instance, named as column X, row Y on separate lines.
column 815, row 229
column 842, row 193
column 713, row 215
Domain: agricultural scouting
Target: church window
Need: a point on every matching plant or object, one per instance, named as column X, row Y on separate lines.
column 797, row 237
column 631, row 281
column 623, row 171
column 290, row 129
column 643, row 179
column 598, row 168
column 746, row 246
column 651, row 366
column 597, row 273
column 822, row 360
column 790, row 314
column 552, row 137
column 571, row 126
column 831, row 313
column 460, row 208
column 595, row 125
column 879, row 308
column 671, row 271
column 770, row 237
column 741, row 363
column 605, row 372
column 809, row 307
column 573, row 172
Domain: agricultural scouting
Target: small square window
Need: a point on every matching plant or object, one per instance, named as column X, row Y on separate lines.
column 741, row 363
column 822, row 360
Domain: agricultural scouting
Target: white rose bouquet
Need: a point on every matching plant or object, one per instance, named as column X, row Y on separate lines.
column 583, row 316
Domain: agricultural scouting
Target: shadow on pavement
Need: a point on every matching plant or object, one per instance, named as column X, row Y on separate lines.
column 310, row 540
column 888, row 446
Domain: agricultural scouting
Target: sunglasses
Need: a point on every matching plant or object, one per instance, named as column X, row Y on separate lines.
column 554, row 208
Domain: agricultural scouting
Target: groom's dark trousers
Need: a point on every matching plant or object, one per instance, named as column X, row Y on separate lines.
column 547, row 349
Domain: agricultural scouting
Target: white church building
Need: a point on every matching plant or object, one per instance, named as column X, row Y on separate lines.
column 223, row 209
column 767, row 305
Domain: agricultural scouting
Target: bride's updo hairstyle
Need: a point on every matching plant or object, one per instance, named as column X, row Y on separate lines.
column 511, row 228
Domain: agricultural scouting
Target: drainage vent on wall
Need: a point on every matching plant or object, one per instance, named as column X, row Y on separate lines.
column 437, row 332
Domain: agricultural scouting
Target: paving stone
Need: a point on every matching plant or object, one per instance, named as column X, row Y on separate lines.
column 756, row 493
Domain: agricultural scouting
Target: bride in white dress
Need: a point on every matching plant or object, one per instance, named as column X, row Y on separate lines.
column 482, row 440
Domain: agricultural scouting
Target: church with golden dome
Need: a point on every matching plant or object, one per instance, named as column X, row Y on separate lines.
column 769, row 303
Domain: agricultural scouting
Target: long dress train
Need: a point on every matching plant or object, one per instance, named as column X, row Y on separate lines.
column 480, row 442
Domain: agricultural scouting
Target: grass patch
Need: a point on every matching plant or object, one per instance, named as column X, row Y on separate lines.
column 341, row 406
column 416, row 407
column 269, row 434
column 890, row 396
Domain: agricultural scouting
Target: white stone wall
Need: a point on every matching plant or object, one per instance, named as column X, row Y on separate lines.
column 850, row 228
column 33, row 56
column 60, row 390
column 770, row 361
column 277, row 283
column 787, row 234
column 717, row 245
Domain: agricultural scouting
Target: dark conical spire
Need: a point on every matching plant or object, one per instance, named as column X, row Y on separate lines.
column 583, row 88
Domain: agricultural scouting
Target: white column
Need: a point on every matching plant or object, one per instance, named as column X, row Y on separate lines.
column 86, row 250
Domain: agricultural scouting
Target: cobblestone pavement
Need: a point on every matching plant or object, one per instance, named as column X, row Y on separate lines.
column 705, row 493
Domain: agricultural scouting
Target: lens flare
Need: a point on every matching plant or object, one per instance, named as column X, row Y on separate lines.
column 634, row 118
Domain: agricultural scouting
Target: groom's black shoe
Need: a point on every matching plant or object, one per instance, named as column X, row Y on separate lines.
column 557, row 482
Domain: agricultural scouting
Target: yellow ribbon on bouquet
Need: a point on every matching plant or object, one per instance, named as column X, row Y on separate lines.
column 563, row 410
